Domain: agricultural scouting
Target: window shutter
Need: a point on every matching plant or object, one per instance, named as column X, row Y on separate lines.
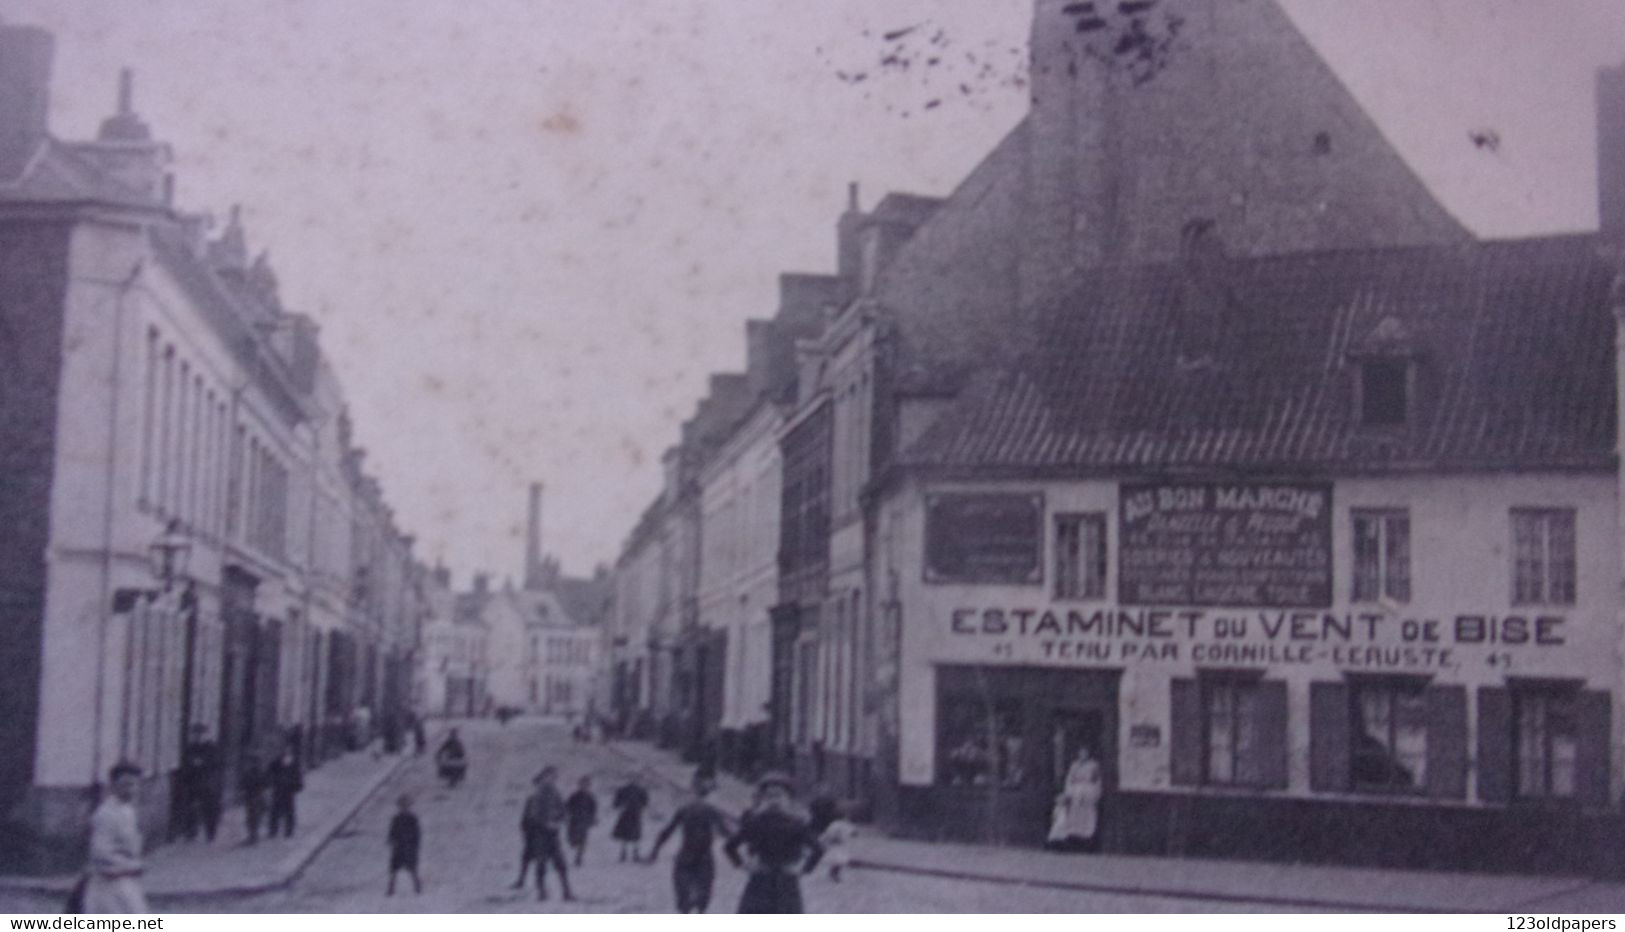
column 1185, row 733
column 1591, row 777
column 1329, row 737
column 1272, row 746
column 1447, row 741
column 1494, row 744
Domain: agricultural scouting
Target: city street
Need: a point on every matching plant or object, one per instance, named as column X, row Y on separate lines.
column 471, row 843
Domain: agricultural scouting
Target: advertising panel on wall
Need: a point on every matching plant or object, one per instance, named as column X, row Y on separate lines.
column 1235, row 544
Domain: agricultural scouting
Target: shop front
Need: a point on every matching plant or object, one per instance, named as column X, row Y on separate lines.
column 1416, row 671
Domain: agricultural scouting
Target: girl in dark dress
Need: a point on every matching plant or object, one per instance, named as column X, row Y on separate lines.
column 631, row 800
column 781, row 847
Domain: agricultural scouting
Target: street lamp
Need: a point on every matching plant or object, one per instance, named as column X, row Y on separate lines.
column 169, row 554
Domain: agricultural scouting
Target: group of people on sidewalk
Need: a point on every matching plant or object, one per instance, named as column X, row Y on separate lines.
column 262, row 789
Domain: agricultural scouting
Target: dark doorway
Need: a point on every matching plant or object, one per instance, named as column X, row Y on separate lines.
column 1006, row 736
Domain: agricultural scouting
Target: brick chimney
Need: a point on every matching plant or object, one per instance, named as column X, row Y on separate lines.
column 848, row 248
column 126, row 151
column 1611, row 150
column 25, row 88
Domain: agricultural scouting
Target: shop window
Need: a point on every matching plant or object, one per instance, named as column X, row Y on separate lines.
column 1382, row 555
column 1543, row 564
column 1080, row 556
column 979, row 741
column 1389, row 724
column 984, row 538
column 1545, row 743
column 1229, row 729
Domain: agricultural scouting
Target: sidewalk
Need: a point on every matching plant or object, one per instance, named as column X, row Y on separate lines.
column 1291, row 885
column 229, row 866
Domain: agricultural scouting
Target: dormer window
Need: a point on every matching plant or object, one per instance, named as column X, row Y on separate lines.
column 1386, row 362
column 1385, row 392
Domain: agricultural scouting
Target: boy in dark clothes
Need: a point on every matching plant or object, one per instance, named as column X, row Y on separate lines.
column 781, row 848
column 544, row 811
column 405, row 838
column 694, row 870
column 580, row 815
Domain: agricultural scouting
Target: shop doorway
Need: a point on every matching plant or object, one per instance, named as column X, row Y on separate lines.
column 1073, row 731
column 1006, row 738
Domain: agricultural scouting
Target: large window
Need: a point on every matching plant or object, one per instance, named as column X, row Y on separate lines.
column 1390, row 735
column 1545, row 742
column 980, row 742
column 1080, row 556
column 988, row 538
column 1382, row 555
column 1543, row 556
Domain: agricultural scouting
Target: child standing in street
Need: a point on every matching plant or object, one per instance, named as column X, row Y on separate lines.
column 837, row 839
column 405, row 838
column 631, row 799
column 580, row 815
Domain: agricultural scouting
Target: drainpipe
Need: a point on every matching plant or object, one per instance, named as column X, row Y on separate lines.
column 105, row 601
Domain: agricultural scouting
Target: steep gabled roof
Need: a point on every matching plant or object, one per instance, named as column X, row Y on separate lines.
column 1254, row 364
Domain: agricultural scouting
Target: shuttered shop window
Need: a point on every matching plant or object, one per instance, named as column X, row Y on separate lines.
column 1229, row 731
column 1543, row 741
column 1388, row 736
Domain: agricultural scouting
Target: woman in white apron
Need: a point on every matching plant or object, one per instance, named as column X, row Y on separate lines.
column 113, row 878
column 1076, row 815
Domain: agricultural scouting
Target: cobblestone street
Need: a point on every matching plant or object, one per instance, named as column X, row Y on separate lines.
column 472, row 843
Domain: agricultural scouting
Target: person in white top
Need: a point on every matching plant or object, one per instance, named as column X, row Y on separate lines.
column 113, row 878
column 1077, row 807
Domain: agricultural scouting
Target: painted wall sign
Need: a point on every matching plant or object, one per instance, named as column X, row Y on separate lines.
column 1226, row 544
column 1262, row 637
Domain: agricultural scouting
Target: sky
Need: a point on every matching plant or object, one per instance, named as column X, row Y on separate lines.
column 529, row 229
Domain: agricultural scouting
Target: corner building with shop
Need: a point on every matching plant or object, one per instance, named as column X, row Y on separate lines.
column 1255, row 473
column 1340, row 583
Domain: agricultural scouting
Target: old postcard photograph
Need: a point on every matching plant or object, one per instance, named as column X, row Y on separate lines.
column 858, row 456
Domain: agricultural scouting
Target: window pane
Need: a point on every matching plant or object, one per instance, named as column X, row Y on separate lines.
column 1398, row 568
column 1560, row 563
column 1531, row 746
column 1094, row 555
column 1528, row 552
column 1068, row 549
column 1411, row 737
column 1367, row 548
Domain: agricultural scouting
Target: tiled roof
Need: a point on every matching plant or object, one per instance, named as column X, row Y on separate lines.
column 1254, row 364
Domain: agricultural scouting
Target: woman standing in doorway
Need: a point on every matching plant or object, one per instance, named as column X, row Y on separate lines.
column 1075, row 820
